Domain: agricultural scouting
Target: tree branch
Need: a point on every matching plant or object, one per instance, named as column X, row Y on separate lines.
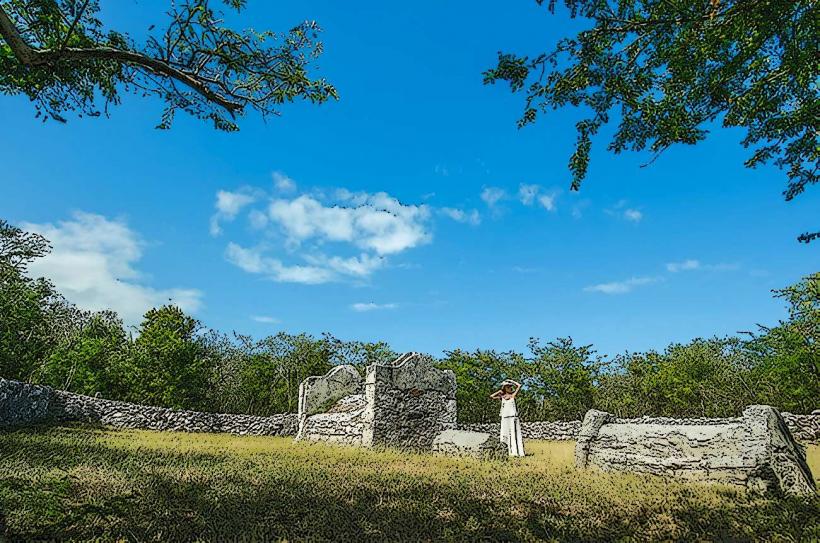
column 74, row 24
column 22, row 50
column 27, row 55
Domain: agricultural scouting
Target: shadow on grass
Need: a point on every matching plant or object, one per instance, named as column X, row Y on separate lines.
column 164, row 495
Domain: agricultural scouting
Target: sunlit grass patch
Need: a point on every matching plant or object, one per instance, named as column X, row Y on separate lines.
column 85, row 483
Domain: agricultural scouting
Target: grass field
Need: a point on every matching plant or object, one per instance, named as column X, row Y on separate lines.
column 85, row 483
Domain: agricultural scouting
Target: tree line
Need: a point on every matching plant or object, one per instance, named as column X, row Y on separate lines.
column 172, row 360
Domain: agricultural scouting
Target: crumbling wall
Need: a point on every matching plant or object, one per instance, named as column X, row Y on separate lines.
column 409, row 402
column 342, row 423
column 23, row 404
column 756, row 450
column 317, row 394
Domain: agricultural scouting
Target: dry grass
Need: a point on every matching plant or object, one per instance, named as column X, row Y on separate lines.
column 84, row 483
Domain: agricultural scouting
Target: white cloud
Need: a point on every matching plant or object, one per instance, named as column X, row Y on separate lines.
column 621, row 287
column 527, row 193
column 685, row 265
column 265, row 319
column 492, row 195
column 377, row 222
column 692, row 264
column 333, row 235
column 258, row 219
column 283, row 183
column 92, row 265
column 530, row 194
column 370, row 306
column 459, row 215
column 547, row 201
column 253, row 261
column 228, row 205
column 620, row 211
column 633, row 215
column 355, row 266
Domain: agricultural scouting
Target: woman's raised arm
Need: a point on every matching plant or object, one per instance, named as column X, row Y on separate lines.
column 517, row 388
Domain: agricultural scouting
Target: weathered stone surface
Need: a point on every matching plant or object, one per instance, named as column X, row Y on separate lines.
column 805, row 428
column 343, row 423
column 408, row 403
column 23, row 404
column 317, row 394
column 466, row 443
column 559, row 430
column 405, row 404
column 29, row 404
column 756, row 451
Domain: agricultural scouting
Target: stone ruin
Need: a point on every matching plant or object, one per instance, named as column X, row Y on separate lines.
column 407, row 403
column 756, row 450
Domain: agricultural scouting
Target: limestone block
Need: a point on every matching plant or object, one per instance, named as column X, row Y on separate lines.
column 756, row 451
column 465, row 443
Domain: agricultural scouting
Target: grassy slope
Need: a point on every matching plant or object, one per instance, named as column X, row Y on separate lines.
column 83, row 483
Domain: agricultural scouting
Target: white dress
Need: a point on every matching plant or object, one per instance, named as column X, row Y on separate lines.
column 511, row 428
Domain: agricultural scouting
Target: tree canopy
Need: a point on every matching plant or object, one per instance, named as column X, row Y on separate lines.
column 175, row 362
column 64, row 58
column 665, row 70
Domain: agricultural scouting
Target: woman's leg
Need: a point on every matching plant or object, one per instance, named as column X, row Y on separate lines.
column 517, row 439
column 506, row 432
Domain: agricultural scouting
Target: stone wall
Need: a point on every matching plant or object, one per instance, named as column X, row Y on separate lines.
column 23, row 404
column 405, row 403
column 804, row 428
column 756, row 450
column 409, row 402
column 318, row 393
column 560, row 430
column 342, row 423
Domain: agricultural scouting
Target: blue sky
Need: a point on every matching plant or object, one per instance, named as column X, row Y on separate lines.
column 412, row 210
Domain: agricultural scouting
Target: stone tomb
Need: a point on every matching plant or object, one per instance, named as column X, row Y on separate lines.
column 756, row 450
column 407, row 403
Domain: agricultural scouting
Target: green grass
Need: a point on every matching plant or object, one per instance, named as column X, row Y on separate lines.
column 85, row 483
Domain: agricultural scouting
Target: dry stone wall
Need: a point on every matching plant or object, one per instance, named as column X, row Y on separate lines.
column 560, row 430
column 756, row 450
column 24, row 404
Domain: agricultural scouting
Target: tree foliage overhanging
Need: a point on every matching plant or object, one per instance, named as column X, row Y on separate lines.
column 60, row 54
column 174, row 362
column 665, row 70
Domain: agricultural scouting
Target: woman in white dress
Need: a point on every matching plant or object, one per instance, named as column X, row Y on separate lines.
column 510, row 426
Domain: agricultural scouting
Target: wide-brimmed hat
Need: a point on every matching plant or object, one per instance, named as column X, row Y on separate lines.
column 506, row 382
